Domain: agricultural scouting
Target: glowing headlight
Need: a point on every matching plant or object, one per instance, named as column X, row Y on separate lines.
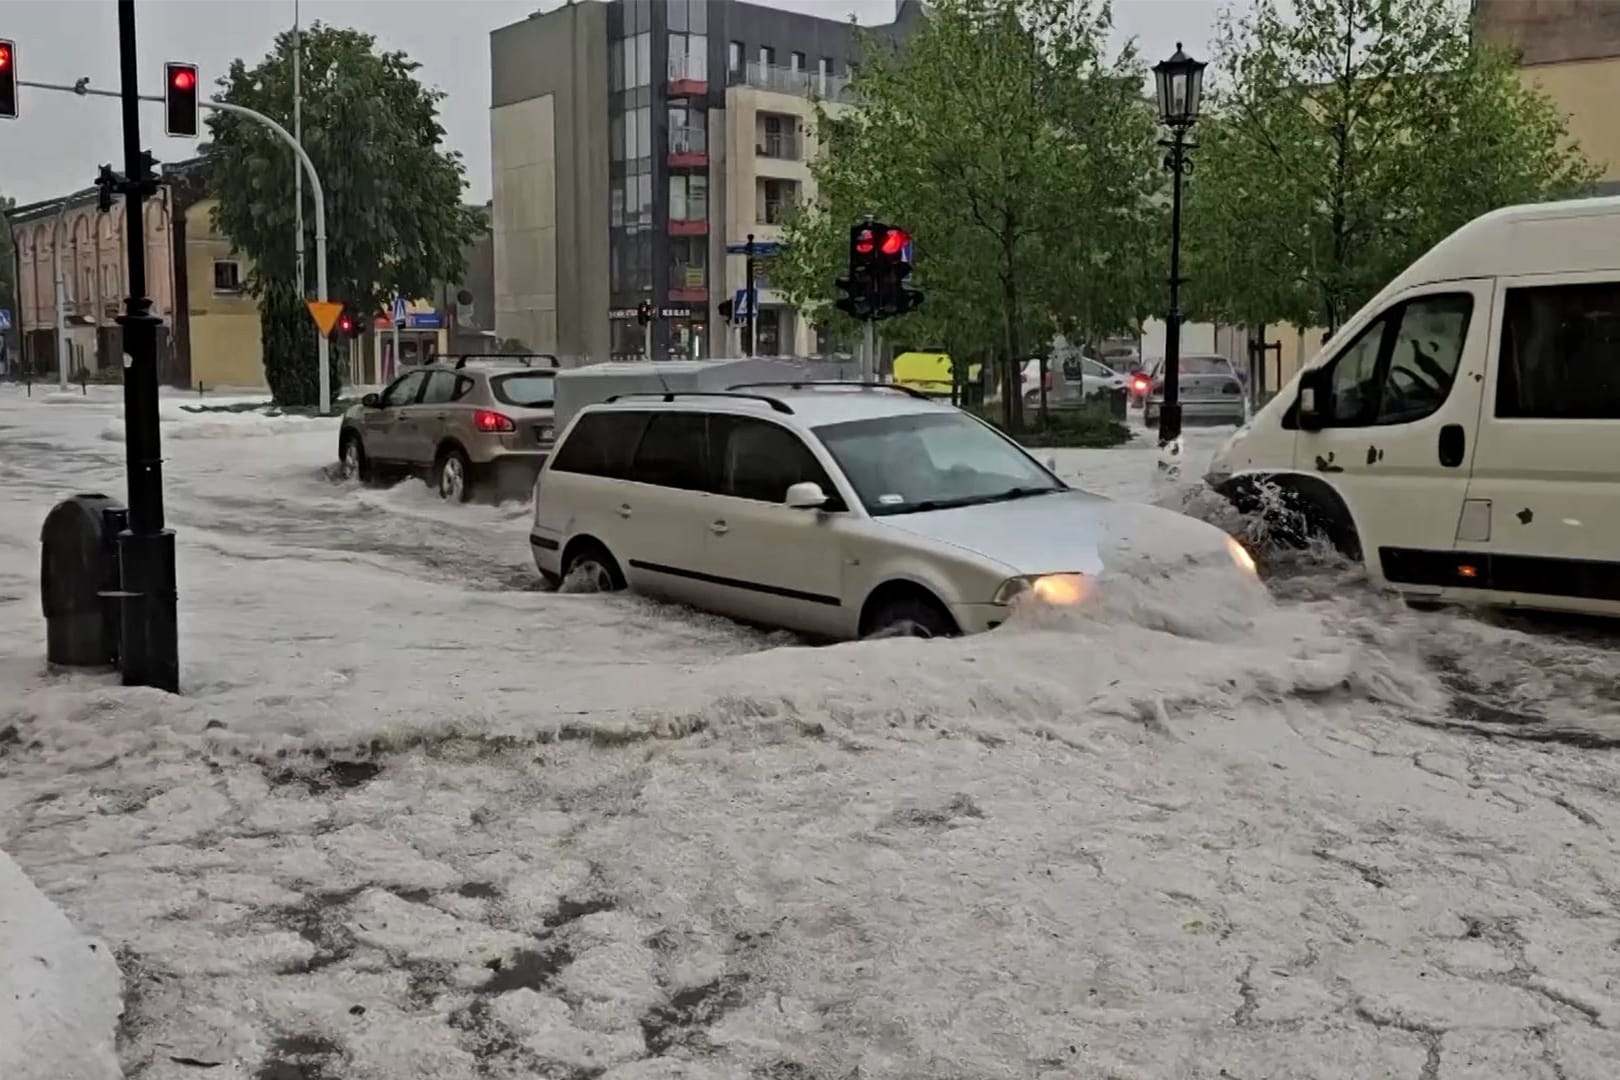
column 1241, row 556
column 1059, row 590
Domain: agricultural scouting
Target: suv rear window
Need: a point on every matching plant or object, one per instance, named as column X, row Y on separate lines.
column 526, row 389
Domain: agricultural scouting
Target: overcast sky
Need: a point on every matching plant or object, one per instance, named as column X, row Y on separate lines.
column 60, row 140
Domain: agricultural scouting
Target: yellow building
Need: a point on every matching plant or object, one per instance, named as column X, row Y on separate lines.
column 222, row 320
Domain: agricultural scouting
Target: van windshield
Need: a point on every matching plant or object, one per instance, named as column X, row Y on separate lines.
column 932, row 461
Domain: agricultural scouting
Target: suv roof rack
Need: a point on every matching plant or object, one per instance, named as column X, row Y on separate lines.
column 670, row 395
column 800, row 384
column 526, row 359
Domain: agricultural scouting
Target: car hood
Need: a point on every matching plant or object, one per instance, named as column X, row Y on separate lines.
column 1152, row 566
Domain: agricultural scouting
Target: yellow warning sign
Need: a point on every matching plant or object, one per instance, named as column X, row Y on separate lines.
column 325, row 313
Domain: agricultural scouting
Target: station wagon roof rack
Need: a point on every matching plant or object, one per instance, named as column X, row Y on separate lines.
column 526, row 359
column 670, row 395
column 800, row 384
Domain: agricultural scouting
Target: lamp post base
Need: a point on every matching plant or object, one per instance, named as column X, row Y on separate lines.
column 1169, row 423
column 148, row 638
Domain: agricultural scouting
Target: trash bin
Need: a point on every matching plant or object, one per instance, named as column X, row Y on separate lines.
column 1119, row 403
column 78, row 575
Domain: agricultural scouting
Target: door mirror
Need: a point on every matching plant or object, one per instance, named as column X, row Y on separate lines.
column 372, row 401
column 1311, row 405
column 806, row 495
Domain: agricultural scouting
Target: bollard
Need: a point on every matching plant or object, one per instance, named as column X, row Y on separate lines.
column 78, row 580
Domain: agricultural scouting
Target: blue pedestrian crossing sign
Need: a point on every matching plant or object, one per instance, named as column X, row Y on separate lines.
column 5, row 319
column 401, row 315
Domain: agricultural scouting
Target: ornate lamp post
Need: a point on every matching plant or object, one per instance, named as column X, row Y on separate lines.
column 1180, row 84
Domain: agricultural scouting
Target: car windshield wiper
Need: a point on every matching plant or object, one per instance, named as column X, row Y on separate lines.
column 971, row 500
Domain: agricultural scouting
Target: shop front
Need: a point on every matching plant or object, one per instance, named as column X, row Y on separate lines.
column 421, row 338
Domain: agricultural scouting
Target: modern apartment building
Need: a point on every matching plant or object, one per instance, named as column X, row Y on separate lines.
column 633, row 141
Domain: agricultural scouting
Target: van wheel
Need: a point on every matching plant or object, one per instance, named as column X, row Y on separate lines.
column 589, row 568
column 452, row 475
column 911, row 616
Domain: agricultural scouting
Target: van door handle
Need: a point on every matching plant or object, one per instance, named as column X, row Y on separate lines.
column 1453, row 445
column 719, row 528
column 624, row 510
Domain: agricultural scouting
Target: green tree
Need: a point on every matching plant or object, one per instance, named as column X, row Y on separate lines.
column 1346, row 137
column 394, row 214
column 1020, row 157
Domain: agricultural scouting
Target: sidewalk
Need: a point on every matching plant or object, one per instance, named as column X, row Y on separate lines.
column 60, row 993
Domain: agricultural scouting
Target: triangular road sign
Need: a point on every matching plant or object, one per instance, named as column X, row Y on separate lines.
column 325, row 313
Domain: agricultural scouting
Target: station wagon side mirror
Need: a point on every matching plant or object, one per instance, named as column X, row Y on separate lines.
column 1312, row 400
column 806, row 495
column 372, row 401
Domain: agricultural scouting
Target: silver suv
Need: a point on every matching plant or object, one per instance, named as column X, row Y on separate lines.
column 467, row 423
column 843, row 510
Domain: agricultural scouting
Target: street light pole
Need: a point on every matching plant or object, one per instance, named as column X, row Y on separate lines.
column 751, row 296
column 1179, row 82
column 149, row 642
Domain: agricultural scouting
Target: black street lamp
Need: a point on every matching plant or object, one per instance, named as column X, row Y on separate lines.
column 1180, row 84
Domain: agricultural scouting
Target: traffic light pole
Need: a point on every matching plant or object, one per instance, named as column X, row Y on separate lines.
column 82, row 89
column 149, row 652
column 869, row 364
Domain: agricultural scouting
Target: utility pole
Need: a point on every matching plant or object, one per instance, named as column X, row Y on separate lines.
column 148, row 634
column 57, row 232
column 298, row 137
column 750, row 296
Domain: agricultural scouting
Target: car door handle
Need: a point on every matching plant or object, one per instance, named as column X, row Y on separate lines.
column 441, row 416
column 719, row 528
column 624, row 510
column 1453, row 445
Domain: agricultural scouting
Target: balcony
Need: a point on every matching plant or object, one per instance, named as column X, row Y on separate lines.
column 782, row 146
column 781, row 80
column 688, row 148
column 689, row 284
column 688, row 76
column 689, row 220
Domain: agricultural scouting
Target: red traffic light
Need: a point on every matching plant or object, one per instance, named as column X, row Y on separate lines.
column 345, row 324
column 180, row 100
column 183, row 78
column 864, row 242
column 5, row 57
column 895, row 241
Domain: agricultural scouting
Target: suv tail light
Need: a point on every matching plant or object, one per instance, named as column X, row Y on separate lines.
column 488, row 422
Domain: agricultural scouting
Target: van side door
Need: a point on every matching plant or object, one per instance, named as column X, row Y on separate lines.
column 1401, row 419
column 1545, row 491
column 664, row 506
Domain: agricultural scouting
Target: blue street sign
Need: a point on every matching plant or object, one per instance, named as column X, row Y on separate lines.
column 401, row 313
column 743, row 304
column 426, row 320
column 763, row 249
column 5, row 319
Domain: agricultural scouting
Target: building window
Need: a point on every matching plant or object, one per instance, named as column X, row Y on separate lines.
column 824, row 70
column 227, row 276
column 689, row 57
column 688, row 262
column 796, row 61
column 776, row 199
column 630, row 62
column 690, row 15
column 637, row 137
column 689, row 198
column 1560, row 353
column 767, row 56
column 734, row 55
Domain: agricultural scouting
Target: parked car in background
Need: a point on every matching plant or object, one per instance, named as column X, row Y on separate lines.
column 1073, row 378
column 465, row 424
column 840, row 511
column 1209, row 389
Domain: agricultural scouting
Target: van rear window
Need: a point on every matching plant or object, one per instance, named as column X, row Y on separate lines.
column 526, row 390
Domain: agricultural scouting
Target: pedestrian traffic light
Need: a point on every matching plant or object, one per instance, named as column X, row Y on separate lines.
column 644, row 313
column 8, row 80
column 180, row 100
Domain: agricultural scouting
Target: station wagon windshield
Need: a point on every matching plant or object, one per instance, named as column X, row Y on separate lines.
column 526, row 390
column 932, row 461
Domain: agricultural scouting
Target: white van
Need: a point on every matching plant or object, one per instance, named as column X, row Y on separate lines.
column 1461, row 434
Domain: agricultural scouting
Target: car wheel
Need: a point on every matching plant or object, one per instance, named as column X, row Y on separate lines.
column 352, row 461
column 452, row 476
column 911, row 616
column 589, row 568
